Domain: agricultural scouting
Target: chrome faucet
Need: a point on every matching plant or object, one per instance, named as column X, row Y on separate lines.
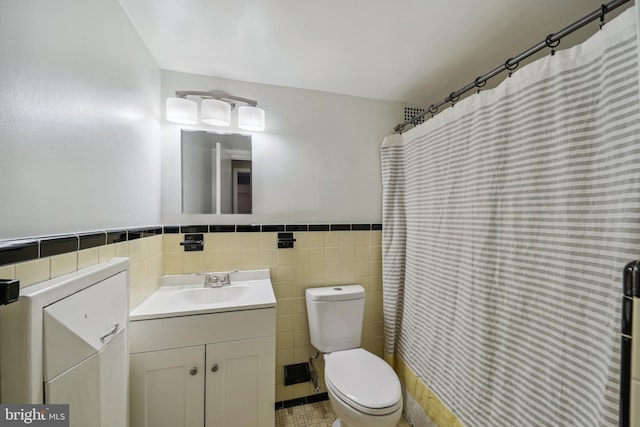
column 216, row 280
column 226, row 280
column 211, row 280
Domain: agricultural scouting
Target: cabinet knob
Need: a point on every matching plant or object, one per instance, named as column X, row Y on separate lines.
column 193, row 371
column 214, row 368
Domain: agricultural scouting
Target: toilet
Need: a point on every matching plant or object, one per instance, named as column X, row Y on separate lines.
column 363, row 389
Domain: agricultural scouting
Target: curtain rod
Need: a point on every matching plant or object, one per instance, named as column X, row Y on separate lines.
column 552, row 41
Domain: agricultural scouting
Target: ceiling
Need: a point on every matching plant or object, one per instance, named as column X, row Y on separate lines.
column 414, row 51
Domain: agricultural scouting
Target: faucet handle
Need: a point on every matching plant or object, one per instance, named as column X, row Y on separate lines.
column 210, row 279
column 225, row 279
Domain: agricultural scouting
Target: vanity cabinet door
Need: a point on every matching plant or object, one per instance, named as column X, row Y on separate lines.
column 240, row 384
column 167, row 388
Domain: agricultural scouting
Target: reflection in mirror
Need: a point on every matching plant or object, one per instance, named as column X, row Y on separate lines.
column 216, row 173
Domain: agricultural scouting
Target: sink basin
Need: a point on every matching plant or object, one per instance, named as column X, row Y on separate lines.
column 210, row 295
column 185, row 295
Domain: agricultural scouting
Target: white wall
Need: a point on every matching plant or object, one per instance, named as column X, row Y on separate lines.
column 317, row 162
column 79, row 129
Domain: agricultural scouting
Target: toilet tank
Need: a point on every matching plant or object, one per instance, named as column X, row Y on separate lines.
column 335, row 317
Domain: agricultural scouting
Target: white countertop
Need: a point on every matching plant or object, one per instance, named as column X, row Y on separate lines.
column 249, row 290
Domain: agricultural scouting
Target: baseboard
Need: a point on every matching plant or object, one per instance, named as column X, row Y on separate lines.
column 302, row 401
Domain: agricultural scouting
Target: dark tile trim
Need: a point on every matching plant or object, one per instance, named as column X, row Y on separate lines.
column 51, row 246
column 222, row 228
column 376, row 226
column 139, row 233
column 298, row 227
column 21, row 250
column 634, row 285
column 172, row 229
column 116, row 236
column 340, row 227
column 293, row 402
column 361, row 227
column 13, row 251
column 89, row 240
column 150, row 232
column 272, row 228
column 319, row 227
column 625, row 381
column 248, row 228
column 194, row 228
column 134, row 234
column 320, row 397
column 627, row 316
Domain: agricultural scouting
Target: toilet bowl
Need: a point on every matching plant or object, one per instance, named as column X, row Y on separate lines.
column 363, row 389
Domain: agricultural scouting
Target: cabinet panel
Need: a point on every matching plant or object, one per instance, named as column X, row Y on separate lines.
column 174, row 332
column 103, row 399
column 240, row 383
column 166, row 391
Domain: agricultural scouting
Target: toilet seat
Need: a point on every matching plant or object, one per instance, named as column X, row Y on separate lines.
column 363, row 381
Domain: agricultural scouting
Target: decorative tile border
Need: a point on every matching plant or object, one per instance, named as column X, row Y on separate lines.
column 52, row 246
column 90, row 240
column 267, row 228
column 302, row 400
column 28, row 249
column 15, row 251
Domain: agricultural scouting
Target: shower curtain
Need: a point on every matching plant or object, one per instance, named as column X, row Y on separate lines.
column 507, row 220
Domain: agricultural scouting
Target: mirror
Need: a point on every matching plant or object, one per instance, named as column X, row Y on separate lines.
column 216, row 173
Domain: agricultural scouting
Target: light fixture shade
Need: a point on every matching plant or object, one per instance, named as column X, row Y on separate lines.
column 182, row 110
column 251, row 118
column 215, row 112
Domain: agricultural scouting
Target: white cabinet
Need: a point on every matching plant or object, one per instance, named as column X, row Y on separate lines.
column 167, row 388
column 212, row 370
column 240, row 375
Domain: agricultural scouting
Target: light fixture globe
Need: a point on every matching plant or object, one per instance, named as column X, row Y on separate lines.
column 182, row 110
column 215, row 112
column 251, row 118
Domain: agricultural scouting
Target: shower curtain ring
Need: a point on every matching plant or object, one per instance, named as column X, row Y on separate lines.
column 433, row 109
column 604, row 11
column 550, row 43
column 479, row 82
column 511, row 65
column 453, row 97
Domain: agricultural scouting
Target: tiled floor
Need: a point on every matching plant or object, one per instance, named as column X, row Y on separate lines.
column 312, row 415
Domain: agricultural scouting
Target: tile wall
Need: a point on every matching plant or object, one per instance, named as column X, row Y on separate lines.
column 319, row 258
column 341, row 254
column 35, row 260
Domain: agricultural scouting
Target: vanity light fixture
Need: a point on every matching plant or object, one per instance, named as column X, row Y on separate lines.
column 215, row 109
column 215, row 112
column 182, row 110
column 251, row 118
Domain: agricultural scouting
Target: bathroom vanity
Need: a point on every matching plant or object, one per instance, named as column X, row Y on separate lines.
column 204, row 356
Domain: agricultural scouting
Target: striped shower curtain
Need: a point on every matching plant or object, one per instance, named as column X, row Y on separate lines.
column 507, row 222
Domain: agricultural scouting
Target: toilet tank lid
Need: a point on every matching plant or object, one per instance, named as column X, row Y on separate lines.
column 335, row 293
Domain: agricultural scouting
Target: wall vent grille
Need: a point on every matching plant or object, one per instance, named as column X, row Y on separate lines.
column 411, row 112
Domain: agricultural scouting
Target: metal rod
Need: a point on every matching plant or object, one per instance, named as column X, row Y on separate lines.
column 216, row 95
column 551, row 41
